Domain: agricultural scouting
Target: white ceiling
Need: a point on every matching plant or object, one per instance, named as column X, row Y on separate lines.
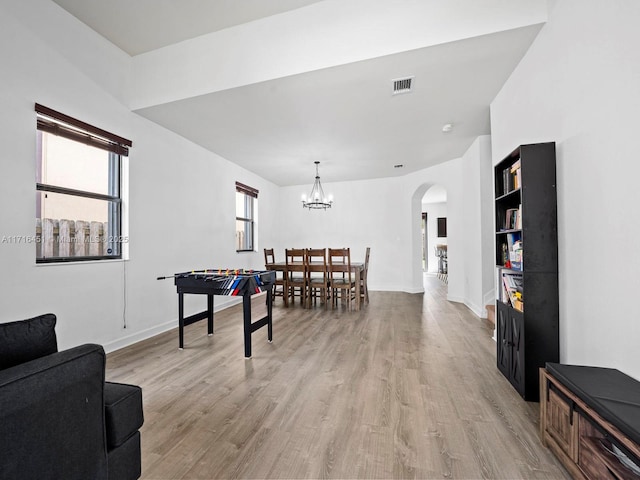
column 344, row 115
column 138, row 26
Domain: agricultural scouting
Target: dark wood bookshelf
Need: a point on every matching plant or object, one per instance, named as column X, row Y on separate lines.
column 512, row 193
column 527, row 314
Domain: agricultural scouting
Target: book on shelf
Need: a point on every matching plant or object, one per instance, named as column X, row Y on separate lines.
column 514, row 251
column 512, row 219
column 515, row 172
column 511, row 177
column 515, row 255
column 506, row 181
column 512, row 291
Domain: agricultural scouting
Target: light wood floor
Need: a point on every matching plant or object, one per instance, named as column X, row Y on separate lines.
column 405, row 388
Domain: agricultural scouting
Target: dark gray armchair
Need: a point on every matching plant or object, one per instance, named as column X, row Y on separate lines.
column 59, row 419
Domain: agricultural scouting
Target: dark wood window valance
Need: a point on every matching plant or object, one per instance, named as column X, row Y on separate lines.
column 57, row 123
column 247, row 190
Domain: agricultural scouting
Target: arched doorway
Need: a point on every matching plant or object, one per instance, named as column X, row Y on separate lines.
column 434, row 232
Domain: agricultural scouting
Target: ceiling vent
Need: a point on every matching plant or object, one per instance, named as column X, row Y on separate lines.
column 402, row 85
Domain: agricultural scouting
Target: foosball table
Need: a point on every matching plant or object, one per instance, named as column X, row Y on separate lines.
column 237, row 283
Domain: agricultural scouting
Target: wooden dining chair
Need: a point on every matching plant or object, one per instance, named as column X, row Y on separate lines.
column 279, row 285
column 341, row 279
column 317, row 276
column 269, row 256
column 364, row 289
column 296, row 274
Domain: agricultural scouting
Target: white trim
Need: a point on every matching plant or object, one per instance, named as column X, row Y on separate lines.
column 480, row 312
column 474, row 309
column 139, row 336
column 396, row 288
column 128, row 340
column 82, row 262
column 490, row 297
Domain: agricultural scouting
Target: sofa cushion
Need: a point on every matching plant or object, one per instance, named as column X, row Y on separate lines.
column 612, row 394
column 26, row 340
column 123, row 412
column 124, row 461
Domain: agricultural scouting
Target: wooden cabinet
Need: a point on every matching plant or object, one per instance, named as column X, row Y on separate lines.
column 527, row 310
column 510, row 336
column 560, row 420
column 589, row 445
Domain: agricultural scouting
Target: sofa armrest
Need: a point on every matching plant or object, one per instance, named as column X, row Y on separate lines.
column 52, row 417
column 123, row 412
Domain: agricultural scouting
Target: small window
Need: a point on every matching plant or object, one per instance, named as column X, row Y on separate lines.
column 78, row 190
column 246, row 202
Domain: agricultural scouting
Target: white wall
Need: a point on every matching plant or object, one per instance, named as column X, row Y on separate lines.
column 477, row 180
column 385, row 214
column 578, row 86
column 181, row 202
column 92, row 56
column 181, row 198
column 487, row 220
column 368, row 213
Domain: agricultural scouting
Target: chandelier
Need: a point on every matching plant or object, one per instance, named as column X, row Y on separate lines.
column 316, row 199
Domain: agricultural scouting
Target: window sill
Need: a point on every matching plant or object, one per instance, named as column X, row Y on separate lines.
column 82, row 262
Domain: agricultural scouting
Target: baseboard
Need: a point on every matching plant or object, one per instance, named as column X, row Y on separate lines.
column 396, row 288
column 489, row 298
column 414, row 290
column 139, row 336
column 455, row 299
column 157, row 330
column 480, row 312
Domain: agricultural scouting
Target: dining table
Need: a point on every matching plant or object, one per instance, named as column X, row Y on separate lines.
column 356, row 269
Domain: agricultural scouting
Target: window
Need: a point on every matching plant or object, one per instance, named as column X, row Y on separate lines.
column 246, row 199
column 78, row 190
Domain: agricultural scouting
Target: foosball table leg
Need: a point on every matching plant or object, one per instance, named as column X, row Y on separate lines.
column 210, row 315
column 246, row 314
column 181, row 321
column 269, row 315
